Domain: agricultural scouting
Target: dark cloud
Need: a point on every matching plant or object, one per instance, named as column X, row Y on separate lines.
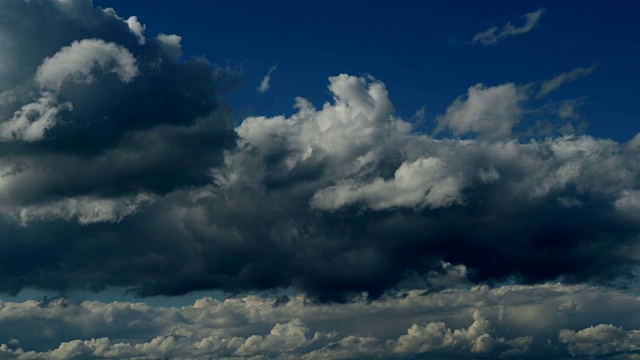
column 120, row 166
column 91, row 108
column 97, row 122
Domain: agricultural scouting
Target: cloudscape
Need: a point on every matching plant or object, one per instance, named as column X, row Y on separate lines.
column 163, row 199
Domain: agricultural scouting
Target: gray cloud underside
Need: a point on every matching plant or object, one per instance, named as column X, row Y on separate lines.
column 126, row 170
column 549, row 321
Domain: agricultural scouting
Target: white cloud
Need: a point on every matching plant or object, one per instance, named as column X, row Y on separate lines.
column 425, row 182
column 32, row 121
column 77, row 61
column 494, row 34
column 137, row 28
column 265, row 84
column 557, row 81
column 436, row 336
column 347, row 136
column 285, row 338
column 600, row 340
column 369, row 157
column 489, row 111
column 171, row 45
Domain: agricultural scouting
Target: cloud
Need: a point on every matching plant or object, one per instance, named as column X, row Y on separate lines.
column 491, row 112
column 76, row 62
column 422, row 183
column 266, row 81
column 503, row 322
column 95, row 123
column 558, row 80
column 435, row 336
column 355, row 161
column 87, row 210
column 495, row 35
column 132, row 174
column 600, row 340
column 137, row 28
column 334, row 201
column 121, row 167
column 32, row 121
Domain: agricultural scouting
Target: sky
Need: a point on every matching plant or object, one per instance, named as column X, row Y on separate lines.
column 245, row 180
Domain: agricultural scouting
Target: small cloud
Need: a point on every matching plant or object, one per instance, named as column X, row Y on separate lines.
column 557, row 81
column 490, row 112
column 266, row 81
column 495, row 35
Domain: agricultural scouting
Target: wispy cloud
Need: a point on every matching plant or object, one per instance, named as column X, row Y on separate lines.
column 557, row 81
column 266, row 81
column 495, row 35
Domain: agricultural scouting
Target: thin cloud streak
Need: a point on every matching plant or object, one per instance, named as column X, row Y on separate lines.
column 495, row 35
column 554, row 83
column 265, row 85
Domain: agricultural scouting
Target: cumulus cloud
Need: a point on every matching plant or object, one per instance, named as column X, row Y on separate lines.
column 265, row 84
column 601, row 340
column 353, row 157
column 495, row 34
column 558, row 80
column 503, row 322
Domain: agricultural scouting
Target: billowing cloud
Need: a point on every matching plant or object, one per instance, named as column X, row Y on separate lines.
column 495, row 34
column 77, row 61
column 355, row 163
column 524, row 322
column 557, row 81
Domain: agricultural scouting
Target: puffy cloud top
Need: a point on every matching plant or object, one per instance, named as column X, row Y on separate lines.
column 77, row 61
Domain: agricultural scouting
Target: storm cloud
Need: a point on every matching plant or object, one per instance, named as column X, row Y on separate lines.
column 122, row 167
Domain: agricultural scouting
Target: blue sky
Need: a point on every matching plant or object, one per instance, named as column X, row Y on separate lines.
column 422, row 51
column 319, row 180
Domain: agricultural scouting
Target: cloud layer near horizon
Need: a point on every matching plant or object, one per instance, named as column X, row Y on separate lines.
column 122, row 167
column 550, row 321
